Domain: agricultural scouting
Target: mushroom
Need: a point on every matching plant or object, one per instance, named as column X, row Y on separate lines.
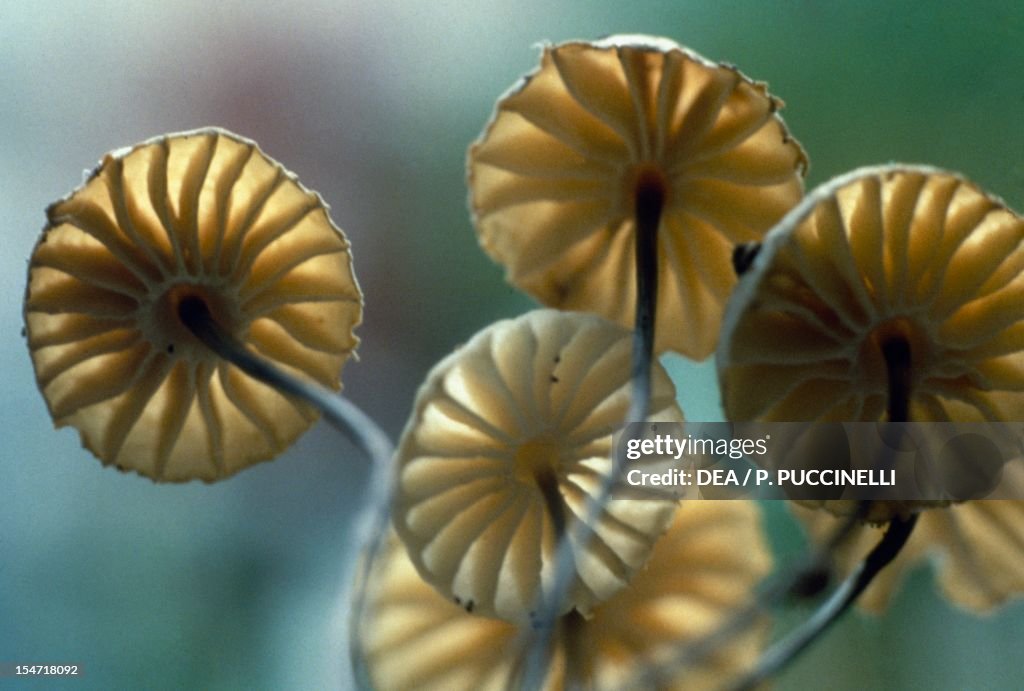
column 882, row 260
column 199, row 226
column 412, row 637
column 891, row 292
column 509, row 440
column 699, row 572
column 629, row 152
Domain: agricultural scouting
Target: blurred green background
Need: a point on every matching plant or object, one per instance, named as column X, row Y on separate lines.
column 244, row 584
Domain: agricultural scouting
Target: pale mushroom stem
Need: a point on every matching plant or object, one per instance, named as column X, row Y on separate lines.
column 794, row 581
column 786, row 650
column 356, row 425
column 345, row 416
column 649, row 202
column 897, row 354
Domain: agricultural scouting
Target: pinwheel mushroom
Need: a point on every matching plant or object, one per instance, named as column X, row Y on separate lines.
column 892, row 292
column 510, row 437
column 198, row 223
column 698, row 574
column 902, row 255
column 624, row 140
column 889, row 292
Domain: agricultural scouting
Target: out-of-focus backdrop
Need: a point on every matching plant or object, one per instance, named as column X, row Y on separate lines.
column 244, row 584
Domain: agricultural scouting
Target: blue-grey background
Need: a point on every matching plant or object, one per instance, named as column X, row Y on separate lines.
column 244, row 584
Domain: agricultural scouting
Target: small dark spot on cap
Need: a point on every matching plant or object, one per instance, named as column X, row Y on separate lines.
column 554, row 379
column 561, row 291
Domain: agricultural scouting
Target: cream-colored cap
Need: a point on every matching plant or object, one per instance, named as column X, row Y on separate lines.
column 512, row 434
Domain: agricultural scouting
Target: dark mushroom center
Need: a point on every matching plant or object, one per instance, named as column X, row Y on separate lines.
column 193, row 308
column 650, row 194
column 891, row 349
column 167, row 320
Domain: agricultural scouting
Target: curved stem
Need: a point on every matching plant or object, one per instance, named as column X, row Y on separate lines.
column 362, row 431
column 357, row 426
column 897, row 355
column 786, row 650
column 773, row 590
column 650, row 198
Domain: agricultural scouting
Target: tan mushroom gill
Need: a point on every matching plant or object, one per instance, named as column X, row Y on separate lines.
column 627, row 147
column 891, row 292
column 200, row 222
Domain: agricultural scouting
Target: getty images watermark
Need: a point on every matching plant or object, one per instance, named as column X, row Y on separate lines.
column 914, row 461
